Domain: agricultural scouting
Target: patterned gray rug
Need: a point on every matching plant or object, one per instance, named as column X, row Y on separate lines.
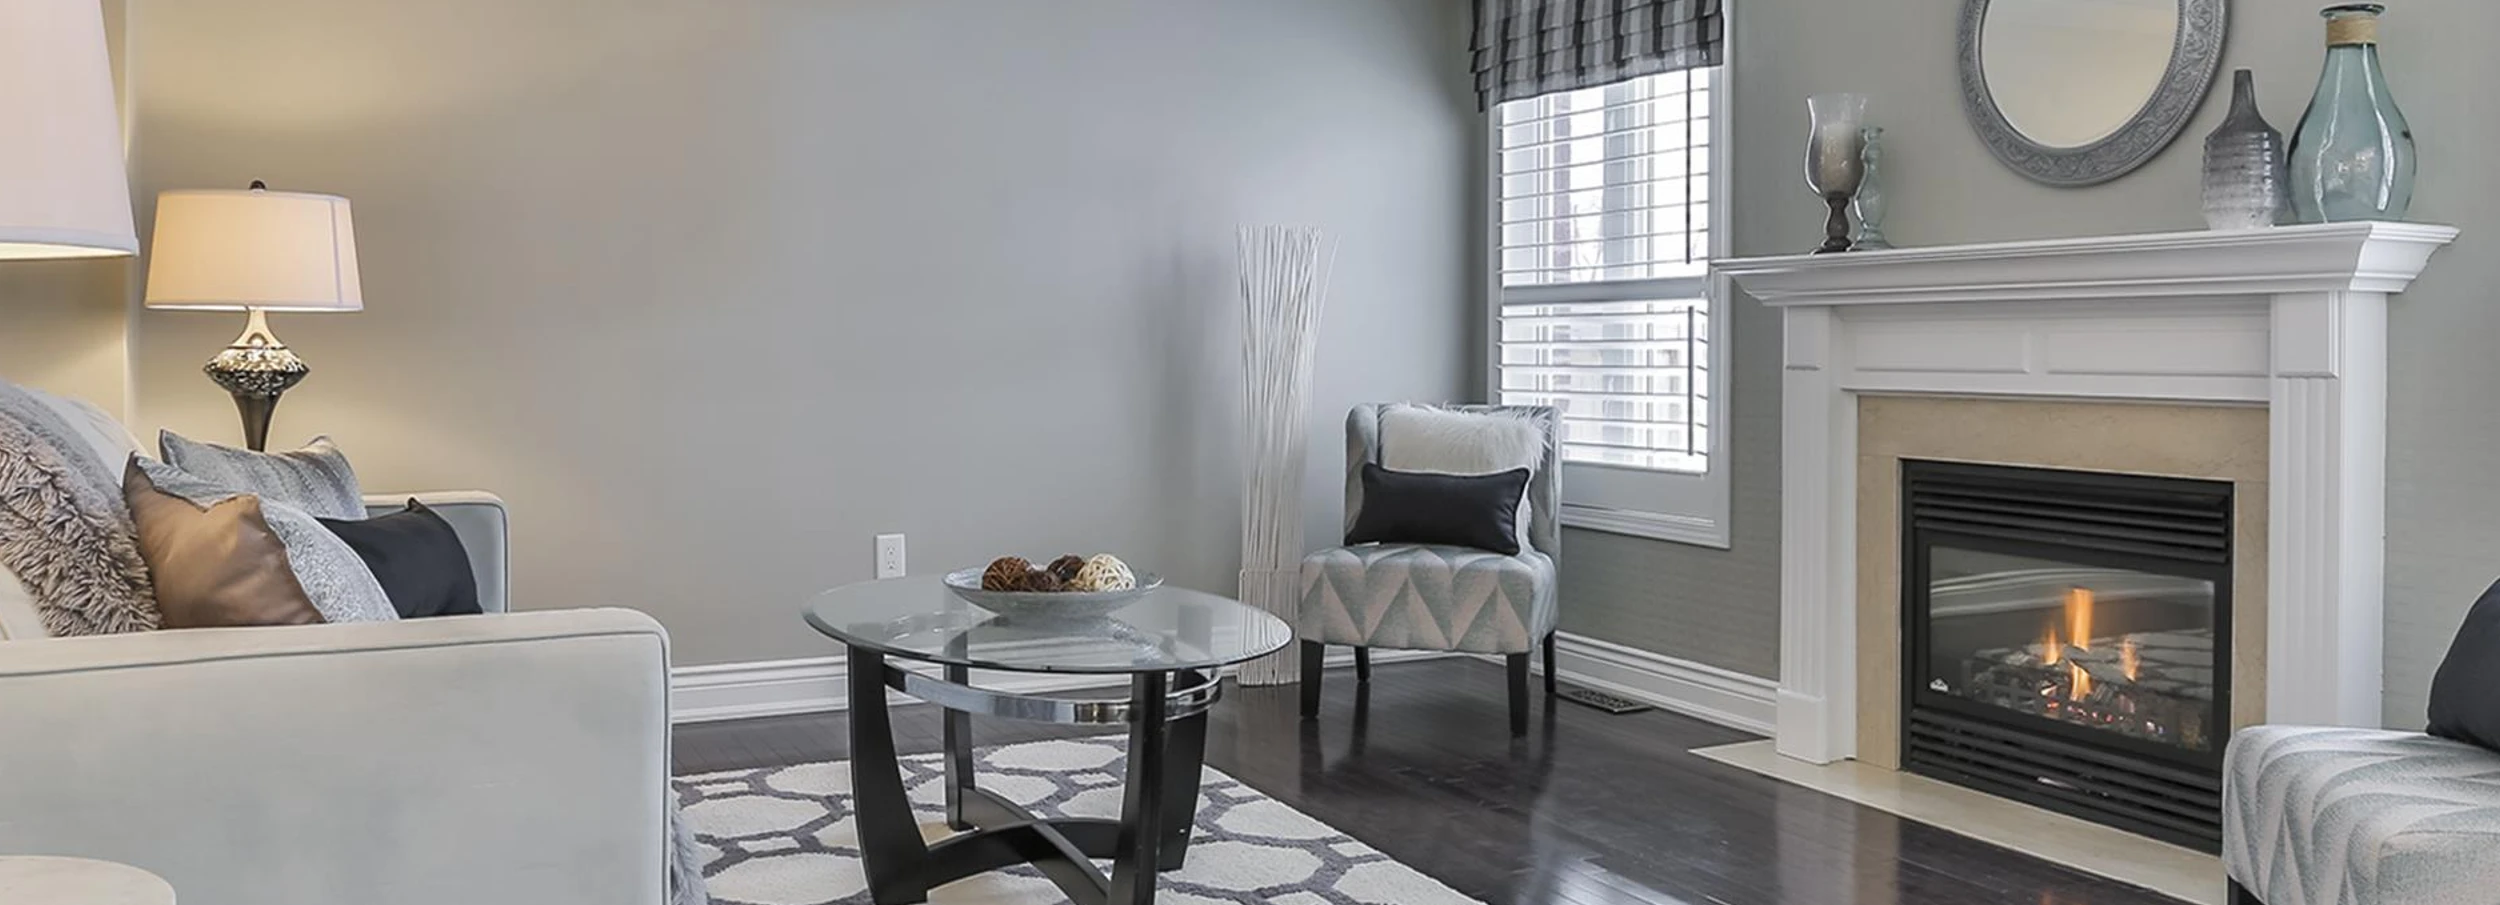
column 783, row 836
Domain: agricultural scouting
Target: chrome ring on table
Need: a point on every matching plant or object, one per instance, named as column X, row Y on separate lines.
column 1181, row 704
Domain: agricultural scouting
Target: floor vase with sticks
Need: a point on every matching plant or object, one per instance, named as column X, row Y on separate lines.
column 1284, row 281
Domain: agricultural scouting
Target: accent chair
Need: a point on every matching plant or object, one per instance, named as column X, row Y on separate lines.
column 1436, row 597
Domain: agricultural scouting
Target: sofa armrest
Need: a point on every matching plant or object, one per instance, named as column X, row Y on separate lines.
column 479, row 518
column 504, row 760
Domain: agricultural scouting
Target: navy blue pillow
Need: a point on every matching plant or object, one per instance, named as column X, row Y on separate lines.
column 2465, row 693
column 417, row 557
column 1405, row 507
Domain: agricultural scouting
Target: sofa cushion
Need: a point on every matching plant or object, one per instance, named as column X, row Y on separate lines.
column 1427, row 597
column 103, row 438
column 2465, row 693
column 418, row 558
column 19, row 620
column 215, row 566
column 64, row 531
column 316, row 478
column 331, row 574
column 2317, row 816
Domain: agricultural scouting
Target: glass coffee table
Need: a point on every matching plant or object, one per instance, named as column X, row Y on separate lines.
column 1168, row 645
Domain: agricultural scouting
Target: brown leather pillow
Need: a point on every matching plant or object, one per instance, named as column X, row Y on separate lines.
column 214, row 567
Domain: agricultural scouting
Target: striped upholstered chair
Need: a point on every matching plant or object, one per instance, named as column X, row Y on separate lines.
column 1432, row 597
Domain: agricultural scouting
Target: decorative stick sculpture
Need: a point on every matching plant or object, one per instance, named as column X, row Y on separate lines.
column 1284, row 281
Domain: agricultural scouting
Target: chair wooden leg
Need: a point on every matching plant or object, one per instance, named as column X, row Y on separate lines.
column 1518, row 694
column 1362, row 664
column 1314, row 654
column 1549, row 663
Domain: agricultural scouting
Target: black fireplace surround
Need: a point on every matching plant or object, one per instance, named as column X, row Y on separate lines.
column 2066, row 641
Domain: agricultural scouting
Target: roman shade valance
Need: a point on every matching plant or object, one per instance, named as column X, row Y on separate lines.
column 1524, row 48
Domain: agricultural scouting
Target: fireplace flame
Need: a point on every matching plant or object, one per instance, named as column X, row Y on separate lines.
column 2126, row 658
column 2052, row 649
column 2079, row 617
column 2080, row 684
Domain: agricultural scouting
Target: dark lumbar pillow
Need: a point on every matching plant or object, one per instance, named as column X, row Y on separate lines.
column 2465, row 694
column 1403, row 507
column 417, row 557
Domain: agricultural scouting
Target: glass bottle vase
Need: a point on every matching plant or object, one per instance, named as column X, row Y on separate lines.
column 2352, row 156
column 1871, row 203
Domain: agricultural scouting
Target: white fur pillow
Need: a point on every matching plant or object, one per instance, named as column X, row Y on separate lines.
column 1441, row 441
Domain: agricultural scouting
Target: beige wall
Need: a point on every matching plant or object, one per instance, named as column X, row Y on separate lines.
column 2444, row 540
column 714, row 292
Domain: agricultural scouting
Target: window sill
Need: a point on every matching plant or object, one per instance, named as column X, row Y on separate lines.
column 1673, row 528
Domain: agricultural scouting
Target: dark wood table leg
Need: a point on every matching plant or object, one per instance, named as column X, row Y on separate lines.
column 958, row 746
column 1141, row 813
column 1183, row 762
column 891, row 851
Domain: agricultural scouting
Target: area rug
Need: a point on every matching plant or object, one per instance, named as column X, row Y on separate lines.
column 783, row 836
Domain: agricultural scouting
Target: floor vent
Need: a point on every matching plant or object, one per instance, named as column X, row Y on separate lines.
column 1611, row 703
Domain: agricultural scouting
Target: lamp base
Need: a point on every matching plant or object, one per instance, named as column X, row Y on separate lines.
column 256, row 368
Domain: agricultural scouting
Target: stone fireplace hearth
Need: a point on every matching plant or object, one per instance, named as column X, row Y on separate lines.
column 2161, row 354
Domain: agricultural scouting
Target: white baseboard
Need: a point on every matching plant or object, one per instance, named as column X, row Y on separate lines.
column 736, row 691
column 1697, row 690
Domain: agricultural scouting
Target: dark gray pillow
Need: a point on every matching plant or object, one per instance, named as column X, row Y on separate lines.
column 1407, row 507
column 315, row 479
column 417, row 557
column 2465, row 693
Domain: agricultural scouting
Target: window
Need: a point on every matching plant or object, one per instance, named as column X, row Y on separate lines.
column 1606, row 227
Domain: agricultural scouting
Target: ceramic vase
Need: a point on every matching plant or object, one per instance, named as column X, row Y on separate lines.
column 2244, row 174
column 2352, row 156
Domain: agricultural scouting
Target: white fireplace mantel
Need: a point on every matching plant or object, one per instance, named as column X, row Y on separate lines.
column 2293, row 318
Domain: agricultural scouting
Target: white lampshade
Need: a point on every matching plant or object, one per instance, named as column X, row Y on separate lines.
column 231, row 250
column 64, row 192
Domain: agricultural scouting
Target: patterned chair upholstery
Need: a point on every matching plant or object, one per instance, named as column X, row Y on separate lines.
column 2315, row 816
column 1429, row 597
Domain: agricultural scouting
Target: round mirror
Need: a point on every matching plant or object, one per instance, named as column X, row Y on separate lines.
column 2075, row 92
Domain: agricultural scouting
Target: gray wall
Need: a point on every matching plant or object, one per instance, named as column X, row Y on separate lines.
column 2444, row 540
column 713, row 292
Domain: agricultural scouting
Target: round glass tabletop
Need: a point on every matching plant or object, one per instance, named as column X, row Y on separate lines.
column 1167, row 629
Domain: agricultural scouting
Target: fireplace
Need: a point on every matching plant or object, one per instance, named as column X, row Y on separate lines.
column 2067, row 640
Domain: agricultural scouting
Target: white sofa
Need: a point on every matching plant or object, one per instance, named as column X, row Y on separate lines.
column 504, row 759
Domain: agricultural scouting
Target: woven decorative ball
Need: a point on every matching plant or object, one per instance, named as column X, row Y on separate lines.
column 1005, row 573
column 1043, row 580
column 1065, row 567
column 1105, row 572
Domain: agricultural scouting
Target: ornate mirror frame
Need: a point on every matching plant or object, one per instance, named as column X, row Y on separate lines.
column 2195, row 58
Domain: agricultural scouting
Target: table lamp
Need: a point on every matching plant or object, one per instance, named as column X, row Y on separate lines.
column 63, row 192
column 255, row 251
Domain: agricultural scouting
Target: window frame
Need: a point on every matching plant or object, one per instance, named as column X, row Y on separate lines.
column 1677, row 507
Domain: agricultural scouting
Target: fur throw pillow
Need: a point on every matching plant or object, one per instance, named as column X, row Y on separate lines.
column 64, row 531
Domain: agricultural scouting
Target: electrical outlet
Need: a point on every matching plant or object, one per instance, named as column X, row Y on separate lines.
column 889, row 556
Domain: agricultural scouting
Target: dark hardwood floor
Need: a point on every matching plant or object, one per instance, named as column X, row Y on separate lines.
column 1590, row 809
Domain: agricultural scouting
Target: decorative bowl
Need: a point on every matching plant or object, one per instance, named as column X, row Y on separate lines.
column 966, row 583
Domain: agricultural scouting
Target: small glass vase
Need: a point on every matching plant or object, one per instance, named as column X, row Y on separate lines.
column 1836, row 160
column 2243, row 187
column 2352, row 156
column 1870, row 202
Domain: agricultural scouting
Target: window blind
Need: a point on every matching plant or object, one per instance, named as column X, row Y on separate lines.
column 1604, row 219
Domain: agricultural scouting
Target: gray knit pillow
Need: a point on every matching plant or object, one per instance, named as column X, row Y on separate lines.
column 315, row 479
column 333, row 576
